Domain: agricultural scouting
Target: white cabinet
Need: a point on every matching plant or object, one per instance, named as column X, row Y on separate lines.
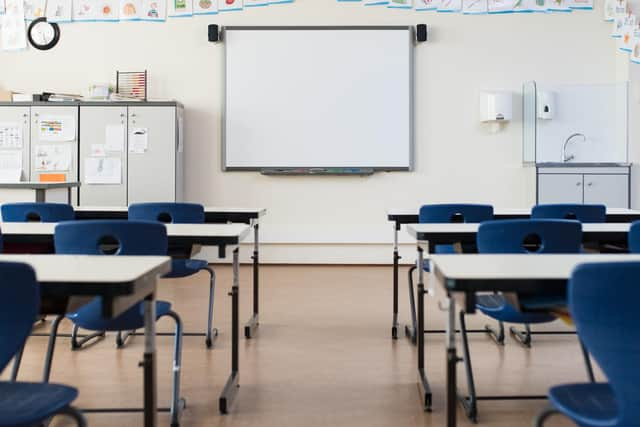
column 12, row 117
column 593, row 185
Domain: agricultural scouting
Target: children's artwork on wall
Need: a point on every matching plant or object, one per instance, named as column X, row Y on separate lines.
column 107, row 10
column 625, row 42
column 580, row 4
column 474, row 7
column 33, row 9
column 528, row 6
column 130, row 10
column 84, row 10
column 375, row 2
column 230, row 5
column 450, row 6
column 153, row 10
column 635, row 48
column 255, row 3
column 58, row 10
column 2, row 7
column 205, row 7
column 13, row 28
column 180, row 8
column 400, row 4
column 427, row 4
column 559, row 6
column 613, row 8
column 500, row 6
column 620, row 23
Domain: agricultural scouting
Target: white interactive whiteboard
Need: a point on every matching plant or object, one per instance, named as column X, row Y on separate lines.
column 318, row 97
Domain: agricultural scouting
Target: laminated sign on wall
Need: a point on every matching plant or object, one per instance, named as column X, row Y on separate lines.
column 10, row 135
column 57, row 128
column 53, row 158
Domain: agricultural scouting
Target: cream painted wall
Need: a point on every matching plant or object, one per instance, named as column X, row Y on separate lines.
column 456, row 159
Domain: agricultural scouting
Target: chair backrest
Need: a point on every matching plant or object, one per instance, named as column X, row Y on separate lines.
column 603, row 299
column 37, row 212
column 177, row 213
column 111, row 237
column 529, row 236
column 583, row 213
column 459, row 212
column 19, row 306
column 634, row 237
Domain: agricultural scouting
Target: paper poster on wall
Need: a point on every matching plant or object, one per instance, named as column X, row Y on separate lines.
column 375, row 2
column 620, row 23
column 10, row 166
column 255, row 3
column 625, row 42
column 2, row 7
column 205, row 7
column 448, row 6
column 84, row 10
column 53, row 158
column 580, row 4
column 114, row 138
column 130, row 10
column 527, row 6
column 139, row 140
column 500, row 6
column 107, row 170
column 155, row 10
column 635, row 50
column 34, row 9
column 613, row 8
column 14, row 30
column 231, row 5
column 98, row 150
column 427, row 4
column 57, row 128
column 10, row 135
column 559, row 6
column 59, row 10
column 107, row 10
column 400, row 4
column 474, row 7
column 180, row 8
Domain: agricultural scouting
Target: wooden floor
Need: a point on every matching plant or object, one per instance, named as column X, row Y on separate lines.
column 323, row 357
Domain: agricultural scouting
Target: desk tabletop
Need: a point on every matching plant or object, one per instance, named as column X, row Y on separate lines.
column 213, row 214
column 39, row 185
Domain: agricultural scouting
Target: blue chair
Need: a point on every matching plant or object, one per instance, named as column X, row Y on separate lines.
column 602, row 301
column 438, row 214
column 26, row 404
column 37, row 212
column 634, row 237
column 582, row 213
column 181, row 213
column 117, row 237
column 532, row 236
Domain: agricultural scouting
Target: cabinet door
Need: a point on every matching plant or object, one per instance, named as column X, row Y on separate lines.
column 610, row 190
column 97, row 123
column 18, row 117
column 54, row 148
column 560, row 188
column 152, row 169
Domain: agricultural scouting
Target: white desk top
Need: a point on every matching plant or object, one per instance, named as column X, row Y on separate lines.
column 92, row 268
column 520, row 266
column 211, row 209
column 516, row 211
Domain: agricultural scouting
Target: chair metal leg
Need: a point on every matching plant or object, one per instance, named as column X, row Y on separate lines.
column 212, row 332
column 121, row 338
column 77, row 344
column 523, row 337
column 411, row 332
column 542, row 416
column 17, row 359
column 587, row 362
column 74, row 413
column 51, row 348
column 177, row 403
column 498, row 336
column 470, row 402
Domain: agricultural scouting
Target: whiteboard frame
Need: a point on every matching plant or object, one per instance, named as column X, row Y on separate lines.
column 410, row 44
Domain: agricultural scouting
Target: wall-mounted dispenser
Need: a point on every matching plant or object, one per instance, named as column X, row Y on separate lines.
column 546, row 107
column 496, row 107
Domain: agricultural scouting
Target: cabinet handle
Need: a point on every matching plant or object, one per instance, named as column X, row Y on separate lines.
column 589, row 184
column 122, row 116
column 133, row 115
column 25, row 115
column 578, row 184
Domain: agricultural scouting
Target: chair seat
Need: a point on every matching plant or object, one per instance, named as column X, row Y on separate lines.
column 587, row 404
column 185, row 267
column 497, row 307
column 90, row 317
column 29, row 403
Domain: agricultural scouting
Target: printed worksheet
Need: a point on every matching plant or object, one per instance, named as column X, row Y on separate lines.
column 57, row 128
column 231, row 5
column 427, row 4
column 51, row 158
column 10, row 166
column 178, row 8
column 400, row 4
column 138, row 140
column 10, row 135
column 34, row 9
column 59, row 10
column 474, row 7
column 85, row 10
column 154, row 10
column 102, row 170
column 107, row 10
column 14, row 30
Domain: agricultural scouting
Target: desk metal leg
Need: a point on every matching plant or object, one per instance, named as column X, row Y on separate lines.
column 423, row 384
column 231, row 387
column 149, row 362
column 396, row 259
column 251, row 326
column 452, row 360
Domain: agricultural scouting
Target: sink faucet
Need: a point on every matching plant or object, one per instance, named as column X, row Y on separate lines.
column 566, row 158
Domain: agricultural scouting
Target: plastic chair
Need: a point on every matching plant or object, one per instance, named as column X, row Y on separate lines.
column 582, row 213
column 37, row 212
column 602, row 302
column 532, row 236
column 438, row 214
column 23, row 404
column 117, row 238
column 634, row 237
column 181, row 213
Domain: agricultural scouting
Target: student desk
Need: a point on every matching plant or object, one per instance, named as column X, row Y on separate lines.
column 37, row 191
column 69, row 281
column 401, row 217
column 220, row 235
column 212, row 214
column 462, row 276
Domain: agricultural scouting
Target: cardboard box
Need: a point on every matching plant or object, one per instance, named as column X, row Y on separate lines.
column 5, row 95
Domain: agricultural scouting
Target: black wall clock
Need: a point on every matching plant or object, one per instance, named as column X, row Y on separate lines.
column 43, row 35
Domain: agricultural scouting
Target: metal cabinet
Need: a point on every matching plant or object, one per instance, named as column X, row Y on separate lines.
column 563, row 188
column 610, row 190
column 20, row 117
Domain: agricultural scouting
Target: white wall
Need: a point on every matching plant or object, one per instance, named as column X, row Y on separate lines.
column 456, row 159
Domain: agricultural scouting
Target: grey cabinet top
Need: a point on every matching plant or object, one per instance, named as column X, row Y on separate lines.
column 94, row 104
column 38, row 185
